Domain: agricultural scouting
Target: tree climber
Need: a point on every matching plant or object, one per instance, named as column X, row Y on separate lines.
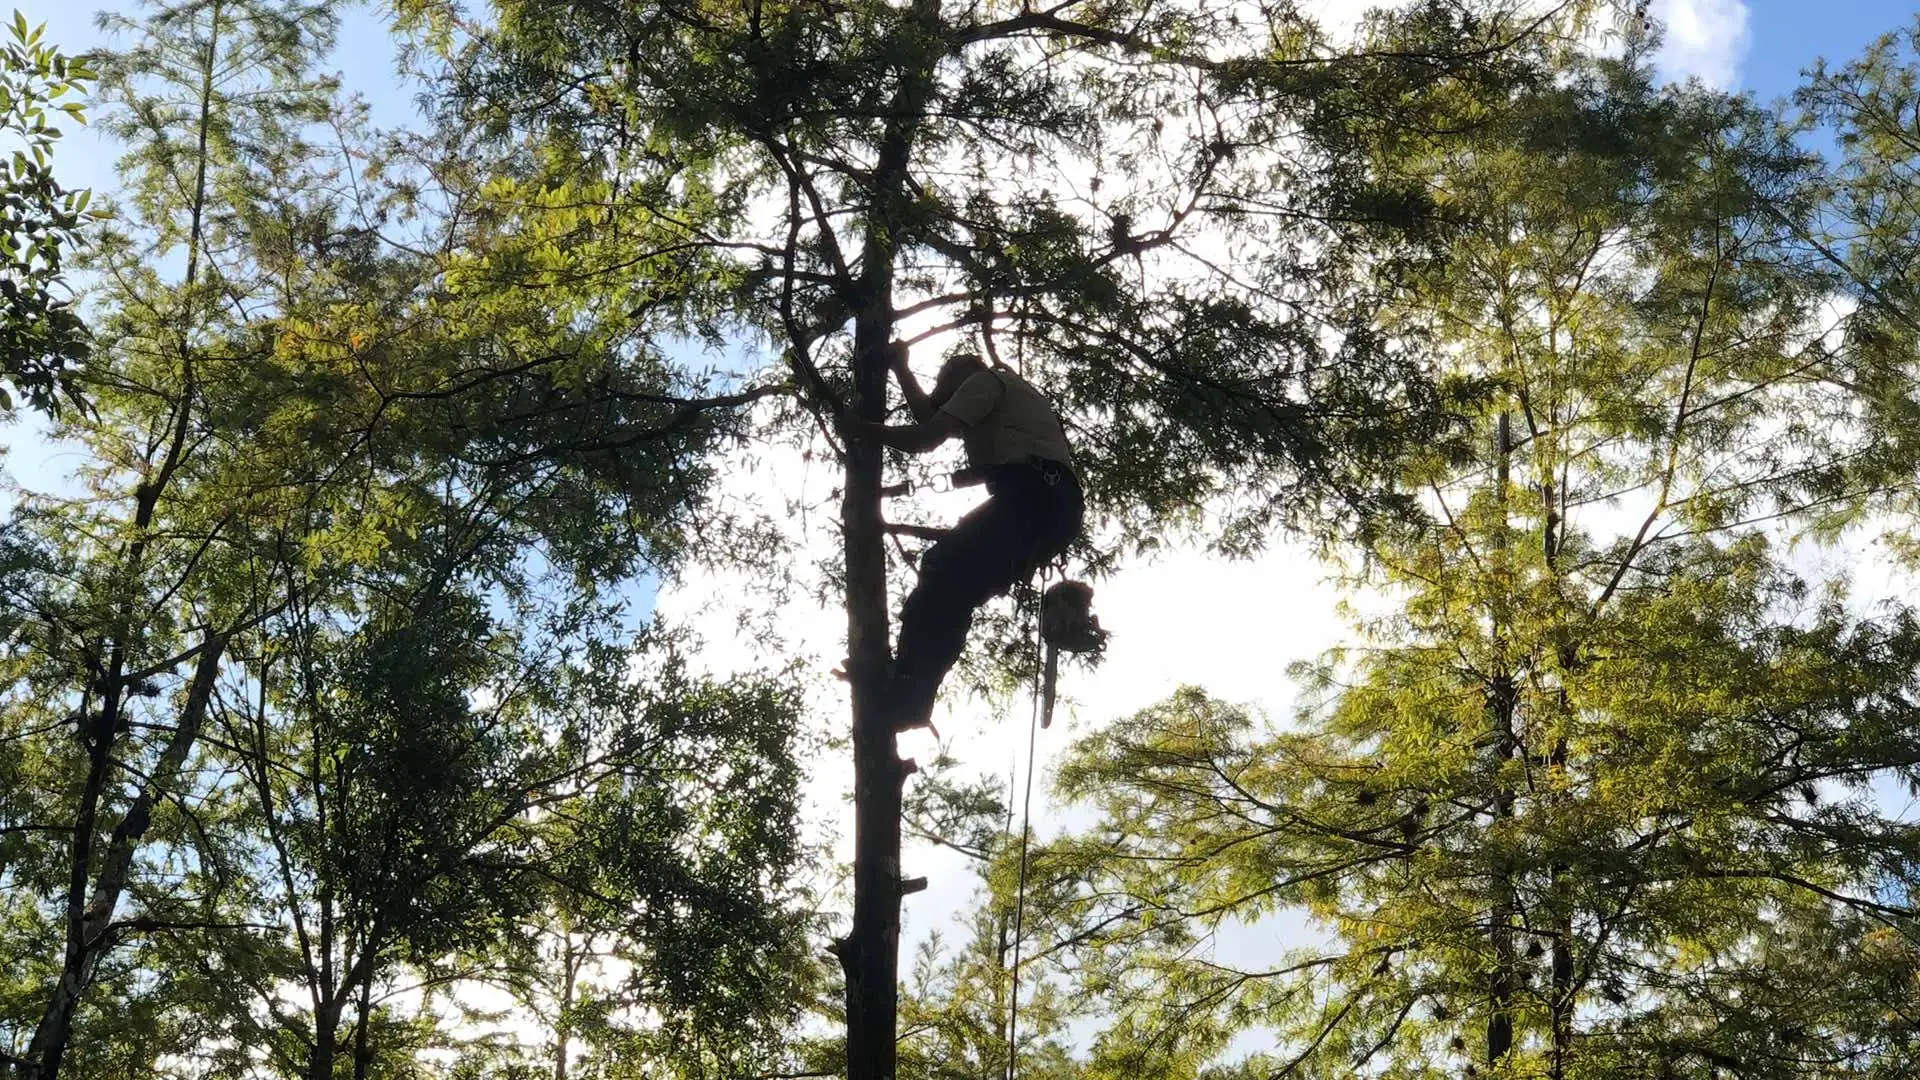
column 1017, row 447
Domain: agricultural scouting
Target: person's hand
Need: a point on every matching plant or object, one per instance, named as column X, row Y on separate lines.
column 897, row 355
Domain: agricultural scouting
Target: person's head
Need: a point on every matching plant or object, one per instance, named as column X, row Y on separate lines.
column 958, row 369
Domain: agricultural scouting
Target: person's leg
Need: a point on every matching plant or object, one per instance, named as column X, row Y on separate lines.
column 1025, row 523
column 1057, row 516
column 983, row 555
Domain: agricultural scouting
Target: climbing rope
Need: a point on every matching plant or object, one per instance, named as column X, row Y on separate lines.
column 1064, row 622
column 1026, row 812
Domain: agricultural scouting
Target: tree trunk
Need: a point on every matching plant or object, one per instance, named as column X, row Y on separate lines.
column 1505, row 983
column 89, row 936
column 326, row 1034
column 362, row 1053
column 1562, row 992
column 870, row 954
column 1561, row 1003
column 563, row 1023
column 1502, row 699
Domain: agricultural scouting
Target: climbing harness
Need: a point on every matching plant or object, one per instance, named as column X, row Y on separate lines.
column 971, row 476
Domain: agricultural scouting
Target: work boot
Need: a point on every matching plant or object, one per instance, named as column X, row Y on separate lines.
column 903, row 700
column 895, row 696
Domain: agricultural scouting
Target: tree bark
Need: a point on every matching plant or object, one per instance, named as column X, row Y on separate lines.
column 870, row 954
column 563, row 1023
column 1504, row 985
column 326, row 1033
column 362, row 1052
column 1502, row 700
column 1561, row 999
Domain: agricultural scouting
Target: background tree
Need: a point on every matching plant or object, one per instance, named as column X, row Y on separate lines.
column 310, row 449
column 107, row 625
column 1597, row 786
column 415, row 835
column 42, row 339
column 1865, row 237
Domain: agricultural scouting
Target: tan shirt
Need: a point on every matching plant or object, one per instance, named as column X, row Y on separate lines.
column 1006, row 420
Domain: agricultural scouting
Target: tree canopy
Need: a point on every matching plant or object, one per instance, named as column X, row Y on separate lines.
column 341, row 736
column 42, row 339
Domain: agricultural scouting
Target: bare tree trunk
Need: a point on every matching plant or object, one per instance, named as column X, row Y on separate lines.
column 1501, row 706
column 1505, row 983
column 326, row 1036
column 1562, row 986
column 563, row 1023
column 1561, row 1003
column 362, row 1056
column 870, row 954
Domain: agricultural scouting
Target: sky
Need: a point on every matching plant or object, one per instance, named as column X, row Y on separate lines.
column 1181, row 618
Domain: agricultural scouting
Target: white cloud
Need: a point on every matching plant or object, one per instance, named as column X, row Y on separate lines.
column 1707, row 39
column 1704, row 38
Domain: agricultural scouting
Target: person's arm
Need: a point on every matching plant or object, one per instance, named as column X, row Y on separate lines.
column 969, row 405
column 912, row 438
column 918, row 401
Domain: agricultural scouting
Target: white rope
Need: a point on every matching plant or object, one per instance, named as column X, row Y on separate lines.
column 1020, row 893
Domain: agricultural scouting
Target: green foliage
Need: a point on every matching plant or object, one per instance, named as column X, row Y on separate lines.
column 1196, row 309
column 1598, row 797
column 323, row 706
column 1866, row 234
column 322, row 686
column 42, row 339
column 959, row 1001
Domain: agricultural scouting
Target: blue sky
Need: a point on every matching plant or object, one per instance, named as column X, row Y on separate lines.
column 1785, row 36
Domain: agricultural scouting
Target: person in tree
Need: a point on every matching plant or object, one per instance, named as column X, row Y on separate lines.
column 1016, row 446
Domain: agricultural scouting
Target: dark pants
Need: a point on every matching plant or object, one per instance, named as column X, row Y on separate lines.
column 1031, row 515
